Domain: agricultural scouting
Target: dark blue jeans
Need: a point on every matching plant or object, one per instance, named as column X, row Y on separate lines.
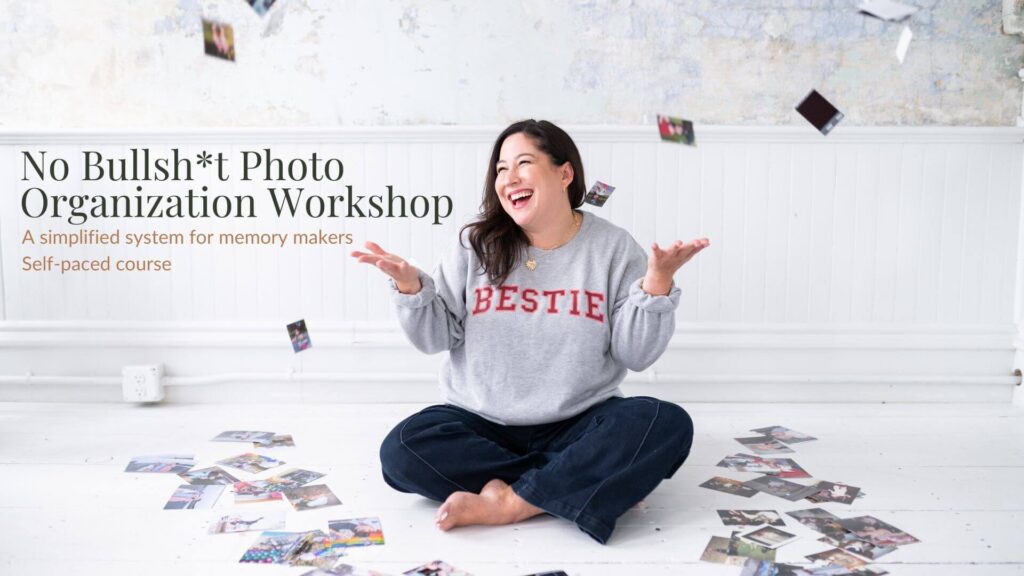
column 589, row 469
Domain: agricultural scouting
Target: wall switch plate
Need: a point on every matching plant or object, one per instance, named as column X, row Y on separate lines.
column 142, row 383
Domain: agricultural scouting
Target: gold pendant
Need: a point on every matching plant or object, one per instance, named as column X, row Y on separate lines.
column 531, row 264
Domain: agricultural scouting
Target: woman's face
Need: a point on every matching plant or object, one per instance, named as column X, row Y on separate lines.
column 532, row 190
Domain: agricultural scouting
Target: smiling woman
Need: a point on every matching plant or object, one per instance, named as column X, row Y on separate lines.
column 541, row 315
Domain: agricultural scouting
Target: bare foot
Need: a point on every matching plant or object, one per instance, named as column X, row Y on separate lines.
column 495, row 505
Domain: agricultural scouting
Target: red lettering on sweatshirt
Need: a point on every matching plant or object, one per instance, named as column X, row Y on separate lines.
column 483, row 303
column 511, row 299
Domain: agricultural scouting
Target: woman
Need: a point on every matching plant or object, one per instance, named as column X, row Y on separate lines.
column 541, row 309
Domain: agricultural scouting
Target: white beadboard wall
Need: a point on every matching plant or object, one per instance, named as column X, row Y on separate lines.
column 877, row 264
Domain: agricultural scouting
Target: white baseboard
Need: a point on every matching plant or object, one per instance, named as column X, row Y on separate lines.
column 374, row 363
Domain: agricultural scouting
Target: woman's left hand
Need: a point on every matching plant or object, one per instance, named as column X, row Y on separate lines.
column 664, row 262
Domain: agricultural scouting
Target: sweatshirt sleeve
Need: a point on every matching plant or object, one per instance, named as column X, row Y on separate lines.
column 433, row 318
column 641, row 324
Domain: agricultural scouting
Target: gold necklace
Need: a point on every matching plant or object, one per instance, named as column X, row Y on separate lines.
column 531, row 262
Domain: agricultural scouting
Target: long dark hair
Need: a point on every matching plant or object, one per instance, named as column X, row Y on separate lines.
column 497, row 240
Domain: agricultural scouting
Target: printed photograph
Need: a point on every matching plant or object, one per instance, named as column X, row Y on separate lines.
column 299, row 336
column 747, row 463
column 813, row 517
column 862, row 548
column 769, row 537
column 764, row 568
column 219, row 40
column 786, row 468
column 161, row 464
column 194, row 496
column 259, row 491
column 211, row 475
column 243, row 436
column 436, row 568
column 357, row 531
column 877, row 532
column 764, row 445
column 833, row 492
column 729, row 486
column 344, row 570
column 785, row 435
column 251, row 463
column 819, row 112
column 271, row 547
column 779, row 487
column 247, row 522
column 261, row 6
column 717, row 552
column 599, row 194
column 676, row 130
column 297, row 476
column 746, row 549
column 278, row 441
column 837, row 556
column 750, row 517
column 311, row 497
column 315, row 548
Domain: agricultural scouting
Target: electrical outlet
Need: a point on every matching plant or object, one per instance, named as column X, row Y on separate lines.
column 142, row 383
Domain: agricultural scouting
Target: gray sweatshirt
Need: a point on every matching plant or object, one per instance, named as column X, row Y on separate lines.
column 548, row 343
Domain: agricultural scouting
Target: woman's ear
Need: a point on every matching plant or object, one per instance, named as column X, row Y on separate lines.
column 567, row 173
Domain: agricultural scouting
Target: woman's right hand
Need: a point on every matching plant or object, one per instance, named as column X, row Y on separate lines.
column 405, row 275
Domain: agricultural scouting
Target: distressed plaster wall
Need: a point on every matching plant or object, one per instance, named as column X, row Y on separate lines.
column 139, row 63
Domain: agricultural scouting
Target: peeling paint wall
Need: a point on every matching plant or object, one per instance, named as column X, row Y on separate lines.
column 140, row 63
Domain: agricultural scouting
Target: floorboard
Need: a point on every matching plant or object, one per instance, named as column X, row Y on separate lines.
column 948, row 474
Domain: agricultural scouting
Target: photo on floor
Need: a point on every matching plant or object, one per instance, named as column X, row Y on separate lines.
column 779, row 487
column 769, row 537
column 311, row 497
column 357, row 531
column 161, row 464
column 750, row 517
column 729, row 486
column 248, row 522
column 211, row 475
column 251, row 463
column 193, row 496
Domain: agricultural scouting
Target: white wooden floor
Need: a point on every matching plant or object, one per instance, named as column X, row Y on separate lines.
column 951, row 475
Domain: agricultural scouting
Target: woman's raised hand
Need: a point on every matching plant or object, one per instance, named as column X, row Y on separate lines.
column 405, row 275
column 664, row 262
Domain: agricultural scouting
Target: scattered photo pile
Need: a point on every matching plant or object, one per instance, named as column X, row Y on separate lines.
column 324, row 551
column 852, row 543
